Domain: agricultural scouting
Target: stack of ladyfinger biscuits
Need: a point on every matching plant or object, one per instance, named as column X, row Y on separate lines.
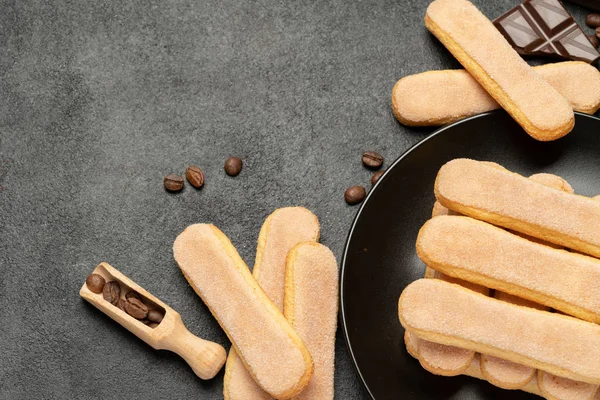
column 541, row 99
column 281, row 318
column 511, row 293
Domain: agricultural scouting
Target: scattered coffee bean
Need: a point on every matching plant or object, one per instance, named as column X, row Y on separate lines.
column 195, row 176
column 152, row 325
column 173, row 183
column 133, row 294
column 594, row 40
column 372, row 159
column 121, row 304
column 136, row 308
column 112, row 292
column 598, row 32
column 155, row 316
column 95, row 283
column 376, row 177
column 593, row 20
column 355, row 194
column 233, row 166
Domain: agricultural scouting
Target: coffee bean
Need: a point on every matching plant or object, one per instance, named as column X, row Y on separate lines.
column 233, row 166
column 145, row 321
column 133, row 294
column 593, row 20
column 95, row 283
column 136, row 308
column 376, row 177
column 194, row 176
column 355, row 194
column 121, row 304
column 155, row 316
column 112, row 292
column 152, row 325
column 598, row 32
column 173, row 183
column 594, row 40
column 372, row 159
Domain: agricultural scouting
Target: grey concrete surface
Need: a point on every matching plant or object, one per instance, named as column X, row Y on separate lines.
column 99, row 100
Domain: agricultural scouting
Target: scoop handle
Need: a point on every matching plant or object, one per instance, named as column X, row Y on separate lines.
column 206, row 358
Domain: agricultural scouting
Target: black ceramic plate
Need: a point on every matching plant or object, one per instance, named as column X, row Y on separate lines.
column 380, row 258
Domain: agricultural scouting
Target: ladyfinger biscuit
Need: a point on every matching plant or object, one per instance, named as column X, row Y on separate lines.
column 503, row 373
column 411, row 344
column 311, row 305
column 484, row 52
column 481, row 253
column 434, row 357
column 553, row 181
column 474, row 369
column 265, row 342
column 445, row 313
column 438, row 210
column 500, row 372
column 440, row 359
column 281, row 231
column 512, row 201
column 436, row 98
column 558, row 388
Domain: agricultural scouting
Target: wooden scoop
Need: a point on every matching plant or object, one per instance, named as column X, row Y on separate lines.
column 206, row 358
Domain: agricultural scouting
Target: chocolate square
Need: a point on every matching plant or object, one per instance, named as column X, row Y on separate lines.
column 545, row 28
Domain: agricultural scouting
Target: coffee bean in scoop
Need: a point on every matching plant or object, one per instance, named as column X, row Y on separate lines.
column 95, row 283
column 136, row 308
column 112, row 292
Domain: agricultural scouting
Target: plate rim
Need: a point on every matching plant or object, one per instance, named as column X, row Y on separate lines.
column 435, row 133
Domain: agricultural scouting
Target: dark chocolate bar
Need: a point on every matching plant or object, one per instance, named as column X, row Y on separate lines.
column 545, row 28
column 591, row 4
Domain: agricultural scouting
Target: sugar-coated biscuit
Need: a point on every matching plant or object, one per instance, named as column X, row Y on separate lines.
column 484, row 52
column 411, row 344
column 434, row 357
column 436, row 98
column 503, row 373
column 481, row 253
column 442, row 359
column 514, row 202
column 282, row 230
column 264, row 340
column 311, row 307
column 474, row 369
column 553, row 181
column 558, row 388
column 445, row 313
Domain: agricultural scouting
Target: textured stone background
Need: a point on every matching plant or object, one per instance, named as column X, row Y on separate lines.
column 99, row 100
